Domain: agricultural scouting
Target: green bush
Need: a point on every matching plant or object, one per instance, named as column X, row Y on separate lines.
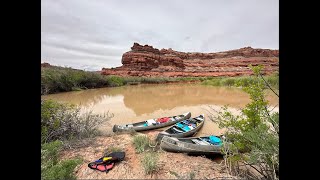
column 49, row 153
column 51, row 168
column 62, row 170
column 114, row 81
column 64, row 122
column 59, row 79
column 149, row 80
column 212, row 82
column 254, row 133
column 141, row 143
column 92, row 80
column 150, row 162
column 228, row 82
column 243, row 81
column 273, row 80
column 192, row 78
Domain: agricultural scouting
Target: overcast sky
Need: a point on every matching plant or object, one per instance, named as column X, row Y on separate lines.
column 91, row 34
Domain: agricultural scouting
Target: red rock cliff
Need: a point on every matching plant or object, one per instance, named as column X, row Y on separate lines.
column 148, row 61
column 45, row 64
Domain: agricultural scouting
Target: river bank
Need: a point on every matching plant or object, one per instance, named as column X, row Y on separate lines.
column 70, row 159
column 169, row 165
column 56, row 79
column 60, row 79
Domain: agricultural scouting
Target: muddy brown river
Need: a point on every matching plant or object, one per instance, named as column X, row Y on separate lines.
column 141, row 102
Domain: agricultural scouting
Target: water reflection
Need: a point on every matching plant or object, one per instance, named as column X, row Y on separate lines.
column 136, row 103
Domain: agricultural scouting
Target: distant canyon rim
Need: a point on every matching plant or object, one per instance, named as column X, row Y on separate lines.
column 145, row 60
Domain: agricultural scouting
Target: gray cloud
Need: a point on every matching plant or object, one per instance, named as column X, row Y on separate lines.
column 92, row 34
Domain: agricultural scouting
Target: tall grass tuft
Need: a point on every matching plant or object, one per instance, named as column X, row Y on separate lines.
column 150, row 162
column 141, row 143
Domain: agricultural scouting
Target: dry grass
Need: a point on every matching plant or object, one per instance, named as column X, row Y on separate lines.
column 150, row 162
column 141, row 143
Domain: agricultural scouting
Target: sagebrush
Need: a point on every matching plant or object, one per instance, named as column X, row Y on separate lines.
column 61, row 121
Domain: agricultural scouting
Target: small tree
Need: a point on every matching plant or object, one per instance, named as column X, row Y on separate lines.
column 254, row 134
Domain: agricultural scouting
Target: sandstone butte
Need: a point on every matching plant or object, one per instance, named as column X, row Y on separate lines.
column 148, row 61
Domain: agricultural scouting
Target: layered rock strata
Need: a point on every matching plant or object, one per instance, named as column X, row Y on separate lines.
column 148, row 61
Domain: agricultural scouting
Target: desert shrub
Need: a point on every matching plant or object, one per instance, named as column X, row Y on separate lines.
column 114, row 81
column 242, row 81
column 228, row 81
column 273, row 80
column 212, row 82
column 150, row 162
column 141, row 143
column 64, row 122
column 254, row 133
column 62, row 170
column 156, row 79
column 49, row 152
column 92, row 80
column 51, row 167
column 59, row 79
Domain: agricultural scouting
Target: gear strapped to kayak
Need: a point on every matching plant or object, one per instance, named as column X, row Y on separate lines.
column 163, row 120
column 106, row 163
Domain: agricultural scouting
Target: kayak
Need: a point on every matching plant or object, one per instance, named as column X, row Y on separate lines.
column 193, row 145
column 151, row 123
column 184, row 128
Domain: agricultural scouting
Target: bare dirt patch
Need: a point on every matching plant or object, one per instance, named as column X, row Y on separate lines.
column 171, row 165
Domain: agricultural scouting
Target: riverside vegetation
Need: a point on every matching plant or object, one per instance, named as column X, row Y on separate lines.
column 63, row 123
column 254, row 153
column 60, row 124
column 245, row 81
column 150, row 159
column 61, row 79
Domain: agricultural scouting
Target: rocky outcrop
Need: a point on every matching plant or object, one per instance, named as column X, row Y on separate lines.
column 45, row 65
column 148, row 61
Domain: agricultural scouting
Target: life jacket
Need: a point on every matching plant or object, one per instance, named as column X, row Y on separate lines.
column 106, row 163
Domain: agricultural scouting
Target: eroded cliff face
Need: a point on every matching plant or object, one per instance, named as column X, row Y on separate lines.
column 148, row 61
